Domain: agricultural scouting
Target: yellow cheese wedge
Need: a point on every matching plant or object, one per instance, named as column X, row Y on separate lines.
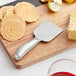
column 72, row 27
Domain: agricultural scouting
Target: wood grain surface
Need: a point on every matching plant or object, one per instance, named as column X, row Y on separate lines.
column 43, row 50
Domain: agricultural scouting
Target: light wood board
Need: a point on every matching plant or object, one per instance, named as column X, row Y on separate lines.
column 43, row 50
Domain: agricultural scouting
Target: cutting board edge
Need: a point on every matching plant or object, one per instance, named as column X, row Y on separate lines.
column 42, row 59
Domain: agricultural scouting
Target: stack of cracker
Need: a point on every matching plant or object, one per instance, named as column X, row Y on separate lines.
column 13, row 20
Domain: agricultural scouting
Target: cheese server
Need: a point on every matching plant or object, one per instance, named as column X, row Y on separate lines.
column 46, row 32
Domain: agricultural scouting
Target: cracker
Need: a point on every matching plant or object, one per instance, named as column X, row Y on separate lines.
column 3, row 10
column 12, row 28
column 27, row 11
column 9, row 11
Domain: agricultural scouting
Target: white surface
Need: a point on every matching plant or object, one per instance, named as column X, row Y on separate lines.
column 3, row 2
column 39, row 69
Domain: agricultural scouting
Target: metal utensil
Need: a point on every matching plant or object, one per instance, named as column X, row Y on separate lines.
column 45, row 32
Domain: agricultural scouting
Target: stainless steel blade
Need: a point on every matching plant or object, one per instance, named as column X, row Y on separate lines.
column 47, row 31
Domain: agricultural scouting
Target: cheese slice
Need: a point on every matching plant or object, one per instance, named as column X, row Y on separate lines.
column 72, row 26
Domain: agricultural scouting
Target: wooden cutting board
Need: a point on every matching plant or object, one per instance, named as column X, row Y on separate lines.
column 43, row 50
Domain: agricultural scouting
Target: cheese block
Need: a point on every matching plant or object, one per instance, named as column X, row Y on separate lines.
column 72, row 26
column 3, row 11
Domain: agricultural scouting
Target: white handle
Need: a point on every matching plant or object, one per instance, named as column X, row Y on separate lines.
column 25, row 48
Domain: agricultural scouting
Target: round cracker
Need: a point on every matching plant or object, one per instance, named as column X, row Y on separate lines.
column 12, row 28
column 27, row 11
column 9, row 11
column 3, row 11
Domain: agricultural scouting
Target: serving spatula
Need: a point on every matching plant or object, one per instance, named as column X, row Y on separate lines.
column 46, row 32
